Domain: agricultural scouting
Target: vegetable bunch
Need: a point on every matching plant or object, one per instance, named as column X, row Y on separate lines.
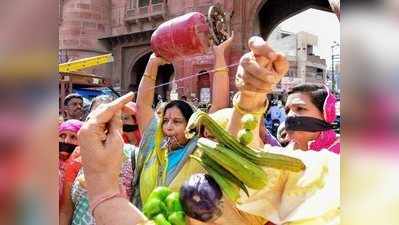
column 164, row 207
column 230, row 161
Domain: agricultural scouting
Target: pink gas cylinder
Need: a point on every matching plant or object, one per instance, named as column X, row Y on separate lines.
column 182, row 36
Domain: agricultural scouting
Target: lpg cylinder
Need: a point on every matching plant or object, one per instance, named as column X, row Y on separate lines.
column 183, row 36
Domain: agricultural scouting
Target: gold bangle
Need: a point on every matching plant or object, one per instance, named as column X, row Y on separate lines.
column 149, row 77
column 242, row 111
column 222, row 69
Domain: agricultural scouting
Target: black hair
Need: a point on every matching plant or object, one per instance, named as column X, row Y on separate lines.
column 70, row 97
column 100, row 99
column 185, row 108
column 316, row 92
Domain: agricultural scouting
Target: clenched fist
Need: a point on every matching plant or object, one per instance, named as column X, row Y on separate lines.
column 261, row 68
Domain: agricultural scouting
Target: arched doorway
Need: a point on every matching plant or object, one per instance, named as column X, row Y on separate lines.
column 204, row 87
column 165, row 73
column 303, row 33
column 272, row 12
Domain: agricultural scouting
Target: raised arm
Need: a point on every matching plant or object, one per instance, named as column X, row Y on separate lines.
column 259, row 70
column 146, row 90
column 220, row 81
column 102, row 159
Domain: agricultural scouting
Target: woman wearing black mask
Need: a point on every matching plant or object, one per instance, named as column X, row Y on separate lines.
column 68, row 137
column 131, row 133
column 310, row 111
column 68, row 165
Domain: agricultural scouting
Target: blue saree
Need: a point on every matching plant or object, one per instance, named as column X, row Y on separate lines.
column 149, row 169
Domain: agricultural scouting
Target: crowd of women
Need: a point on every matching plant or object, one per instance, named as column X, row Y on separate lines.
column 108, row 164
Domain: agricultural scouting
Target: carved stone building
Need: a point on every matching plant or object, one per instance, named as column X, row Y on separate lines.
column 124, row 28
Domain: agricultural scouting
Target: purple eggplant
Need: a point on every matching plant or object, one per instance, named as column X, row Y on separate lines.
column 201, row 197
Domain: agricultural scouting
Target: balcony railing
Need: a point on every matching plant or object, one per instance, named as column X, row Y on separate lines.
column 146, row 13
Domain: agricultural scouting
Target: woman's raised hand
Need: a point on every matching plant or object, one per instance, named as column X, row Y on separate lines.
column 101, row 144
column 220, row 49
column 159, row 61
column 261, row 68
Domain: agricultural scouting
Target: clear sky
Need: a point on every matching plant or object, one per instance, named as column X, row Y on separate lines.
column 323, row 24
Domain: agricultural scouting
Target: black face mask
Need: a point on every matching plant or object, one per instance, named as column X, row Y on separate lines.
column 66, row 147
column 130, row 127
column 305, row 123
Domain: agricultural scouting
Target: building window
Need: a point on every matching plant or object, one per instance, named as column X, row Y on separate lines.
column 204, row 85
column 205, row 95
column 319, row 74
column 142, row 3
column 310, row 49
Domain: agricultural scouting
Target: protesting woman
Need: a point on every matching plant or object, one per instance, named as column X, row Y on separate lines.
column 311, row 111
column 164, row 150
column 164, row 132
column 289, row 197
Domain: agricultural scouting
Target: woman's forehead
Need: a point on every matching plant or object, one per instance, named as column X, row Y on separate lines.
column 173, row 112
column 298, row 99
column 67, row 132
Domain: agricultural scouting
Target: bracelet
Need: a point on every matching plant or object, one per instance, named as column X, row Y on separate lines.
column 103, row 198
column 221, row 69
column 242, row 111
column 149, row 77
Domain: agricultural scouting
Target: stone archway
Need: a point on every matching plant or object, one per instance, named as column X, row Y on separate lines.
column 305, row 66
column 270, row 13
column 136, row 70
column 165, row 73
